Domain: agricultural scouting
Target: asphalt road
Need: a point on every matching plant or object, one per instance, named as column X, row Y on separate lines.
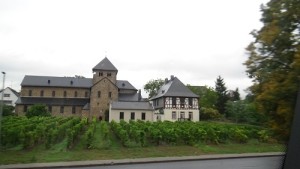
column 274, row 162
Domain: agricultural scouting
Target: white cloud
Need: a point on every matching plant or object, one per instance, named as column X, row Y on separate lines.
column 193, row 40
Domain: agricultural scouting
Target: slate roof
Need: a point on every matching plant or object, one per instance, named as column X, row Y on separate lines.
column 15, row 92
column 30, row 80
column 53, row 101
column 86, row 106
column 129, row 97
column 124, row 84
column 131, row 106
column 105, row 64
column 51, row 81
column 174, row 87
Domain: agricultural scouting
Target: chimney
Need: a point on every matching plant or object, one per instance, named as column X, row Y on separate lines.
column 166, row 80
column 139, row 95
column 172, row 77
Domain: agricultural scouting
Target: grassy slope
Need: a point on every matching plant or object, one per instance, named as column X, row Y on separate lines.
column 112, row 149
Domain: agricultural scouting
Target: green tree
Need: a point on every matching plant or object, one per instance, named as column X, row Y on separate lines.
column 236, row 95
column 8, row 110
column 38, row 110
column 153, row 86
column 242, row 111
column 208, row 96
column 209, row 114
column 221, row 91
column 274, row 63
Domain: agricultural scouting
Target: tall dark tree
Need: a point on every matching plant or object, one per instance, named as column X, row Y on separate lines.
column 236, row 95
column 274, row 63
column 221, row 91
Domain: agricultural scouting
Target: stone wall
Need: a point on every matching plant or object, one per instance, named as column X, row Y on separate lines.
column 100, row 103
column 97, row 76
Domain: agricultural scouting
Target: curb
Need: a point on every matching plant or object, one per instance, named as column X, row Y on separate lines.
column 137, row 161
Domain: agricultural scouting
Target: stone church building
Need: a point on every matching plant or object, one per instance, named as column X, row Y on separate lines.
column 83, row 97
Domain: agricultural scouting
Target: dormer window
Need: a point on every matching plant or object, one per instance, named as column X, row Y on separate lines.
column 123, row 84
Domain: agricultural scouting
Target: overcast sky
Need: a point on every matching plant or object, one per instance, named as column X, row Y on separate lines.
column 193, row 40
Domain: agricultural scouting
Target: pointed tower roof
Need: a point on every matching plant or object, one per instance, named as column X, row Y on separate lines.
column 105, row 64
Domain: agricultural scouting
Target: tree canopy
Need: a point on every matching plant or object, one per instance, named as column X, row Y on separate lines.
column 207, row 95
column 152, row 86
column 274, row 63
column 38, row 110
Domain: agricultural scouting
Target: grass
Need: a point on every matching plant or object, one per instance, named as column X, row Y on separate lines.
column 104, row 149
column 59, row 153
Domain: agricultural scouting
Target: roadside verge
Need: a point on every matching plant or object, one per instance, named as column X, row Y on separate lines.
column 136, row 160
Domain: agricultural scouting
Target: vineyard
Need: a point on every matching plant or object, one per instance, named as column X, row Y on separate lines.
column 28, row 133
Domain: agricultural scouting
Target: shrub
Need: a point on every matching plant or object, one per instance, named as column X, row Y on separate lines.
column 38, row 110
column 209, row 114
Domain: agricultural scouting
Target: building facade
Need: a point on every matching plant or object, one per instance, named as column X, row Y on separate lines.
column 9, row 95
column 106, row 98
column 78, row 96
column 175, row 102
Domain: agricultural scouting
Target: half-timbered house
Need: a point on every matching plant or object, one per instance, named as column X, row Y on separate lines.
column 174, row 101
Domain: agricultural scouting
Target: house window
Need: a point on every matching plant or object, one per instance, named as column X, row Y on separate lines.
column 86, row 94
column 100, row 73
column 109, row 94
column 30, row 93
column 182, row 102
column 182, row 116
column 25, row 108
column 6, row 95
column 61, row 109
column 53, row 93
column 143, row 116
column 42, row 93
column 121, row 115
column 190, row 102
column 65, row 93
column 99, row 94
column 50, row 109
column 73, row 109
column 191, row 116
column 173, row 101
column 108, row 74
column 174, row 115
column 132, row 116
column 75, row 94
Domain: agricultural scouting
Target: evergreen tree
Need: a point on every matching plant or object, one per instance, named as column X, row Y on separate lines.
column 274, row 63
column 221, row 91
column 236, row 95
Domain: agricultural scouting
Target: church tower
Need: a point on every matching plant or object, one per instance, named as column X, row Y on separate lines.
column 104, row 88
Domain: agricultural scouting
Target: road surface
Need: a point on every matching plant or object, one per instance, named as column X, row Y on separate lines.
column 274, row 162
